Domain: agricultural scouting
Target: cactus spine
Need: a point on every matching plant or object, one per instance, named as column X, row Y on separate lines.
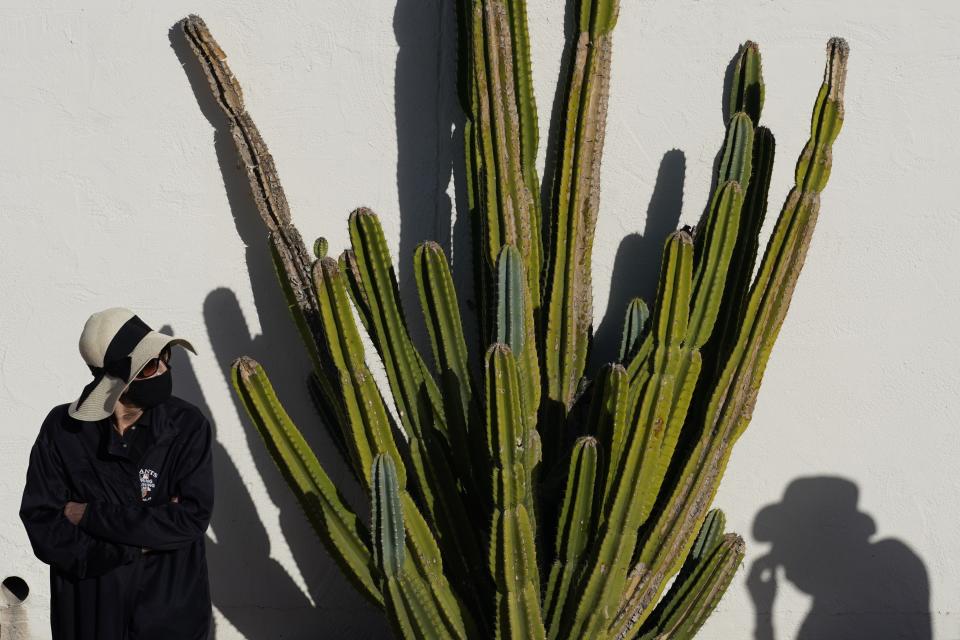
column 478, row 528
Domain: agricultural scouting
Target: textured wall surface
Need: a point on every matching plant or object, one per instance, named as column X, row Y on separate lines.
column 118, row 186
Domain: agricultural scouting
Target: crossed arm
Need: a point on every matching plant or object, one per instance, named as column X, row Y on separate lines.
column 163, row 526
column 74, row 512
column 87, row 541
column 55, row 540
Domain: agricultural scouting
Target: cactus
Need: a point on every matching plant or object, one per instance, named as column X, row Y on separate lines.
column 705, row 575
column 540, row 500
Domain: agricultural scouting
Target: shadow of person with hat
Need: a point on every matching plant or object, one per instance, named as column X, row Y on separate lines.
column 821, row 543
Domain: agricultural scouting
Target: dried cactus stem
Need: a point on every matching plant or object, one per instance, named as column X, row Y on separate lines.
column 290, row 256
column 501, row 149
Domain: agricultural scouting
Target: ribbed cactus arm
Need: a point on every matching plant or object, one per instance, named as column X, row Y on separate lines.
column 746, row 103
column 529, row 126
column 574, row 530
column 368, row 429
column 411, row 605
column 405, row 369
column 512, row 553
column 345, row 537
column 388, row 538
column 737, row 154
column 515, row 327
column 731, row 403
column 737, row 287
column 675, row 354
column 634, row 329
column 693, row 598
column 713, row 251
column 746, row 100
column 418, row 401
column 438, row 299
column 707, row 290
column 376, row 282
column 711, row 531
column 503, row 127
column 715, row 245
column 612, row 430
column 672, row 312
column 747, row 89
column 631, row 499
column 575, row 202
column 505, row 427
column 816, row 159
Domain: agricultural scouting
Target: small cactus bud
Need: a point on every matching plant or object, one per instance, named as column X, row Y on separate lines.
column 320, row 247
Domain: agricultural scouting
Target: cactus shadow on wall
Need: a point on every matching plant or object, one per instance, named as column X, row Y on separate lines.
column 251, row 589
column 636, row 267
column 429, row 129
column 637, row 263
column 248, row 586
column 821, row 543
column 239, row 566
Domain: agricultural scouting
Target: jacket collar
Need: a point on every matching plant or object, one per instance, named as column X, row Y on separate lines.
column 146, row 418
column 156, row 418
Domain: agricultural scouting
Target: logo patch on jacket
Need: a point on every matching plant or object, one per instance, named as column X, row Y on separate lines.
column 148, row 480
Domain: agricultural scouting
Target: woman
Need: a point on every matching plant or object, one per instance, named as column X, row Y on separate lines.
column 119, row 492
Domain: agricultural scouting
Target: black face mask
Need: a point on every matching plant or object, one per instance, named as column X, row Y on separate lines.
column 152, row 391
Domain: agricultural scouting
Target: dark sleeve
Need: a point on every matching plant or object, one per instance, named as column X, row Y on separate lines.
column 164, row 526
column 55, row 540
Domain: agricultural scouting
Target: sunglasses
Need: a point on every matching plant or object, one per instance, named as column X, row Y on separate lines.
column 153, row 366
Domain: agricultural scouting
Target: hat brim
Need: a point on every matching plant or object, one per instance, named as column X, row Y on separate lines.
column 102, row 400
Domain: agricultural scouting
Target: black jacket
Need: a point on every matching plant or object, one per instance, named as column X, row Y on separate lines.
column 102, row 585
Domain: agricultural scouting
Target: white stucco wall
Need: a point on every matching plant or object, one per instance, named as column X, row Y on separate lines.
column 112, row 192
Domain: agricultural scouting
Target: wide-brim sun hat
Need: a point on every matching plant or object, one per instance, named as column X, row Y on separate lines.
column 116, row 344
column 814, row 508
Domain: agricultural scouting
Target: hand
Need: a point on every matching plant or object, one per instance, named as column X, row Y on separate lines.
column 74, row 511
column 174, row 498
column 762, row 583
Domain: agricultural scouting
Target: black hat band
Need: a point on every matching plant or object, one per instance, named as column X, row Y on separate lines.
column 117, row 360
